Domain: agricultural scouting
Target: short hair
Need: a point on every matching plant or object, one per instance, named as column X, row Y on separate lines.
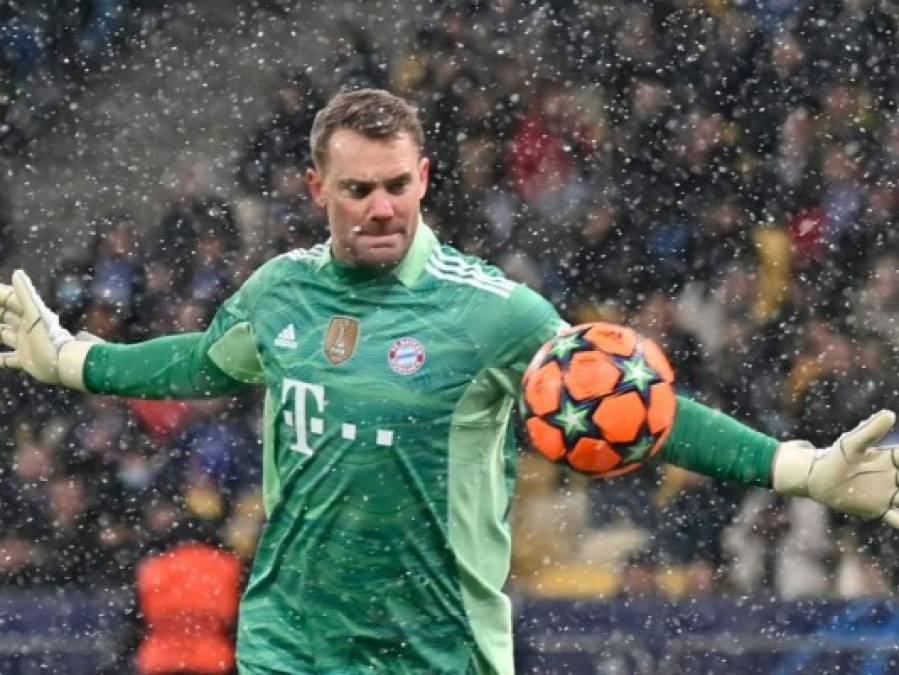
column 374, row 113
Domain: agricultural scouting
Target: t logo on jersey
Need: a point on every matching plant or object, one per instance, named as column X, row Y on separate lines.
column 304, row 407
column 298, row 417
column 340, row 339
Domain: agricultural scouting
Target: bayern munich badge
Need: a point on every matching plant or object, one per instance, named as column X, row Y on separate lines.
column 406, row 356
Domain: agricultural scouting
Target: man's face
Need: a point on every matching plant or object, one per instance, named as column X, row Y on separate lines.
column 371, row 190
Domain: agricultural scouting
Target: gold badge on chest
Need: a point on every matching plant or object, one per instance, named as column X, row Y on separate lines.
column 340, row 339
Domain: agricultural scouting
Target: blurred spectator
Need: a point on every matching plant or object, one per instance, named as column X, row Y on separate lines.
column 21, row 507
column 544, row 152
column 693, row 513
column 723, row 236
column 217, row 445
column 781, row 545
column 160, row 304
column 189, row 220
column 656, row 318
column 481, row 216
column 842, row 189
column 876, row 305
column 188, row 597
column 283, row 141
column 796, row 164
column 867, row 237
column 357, row 63
column 70, row 536
column 605, row 250
column 825, row 385
column 118, row 279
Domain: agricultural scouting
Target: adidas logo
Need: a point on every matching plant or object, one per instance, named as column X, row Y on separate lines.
column 287, row 338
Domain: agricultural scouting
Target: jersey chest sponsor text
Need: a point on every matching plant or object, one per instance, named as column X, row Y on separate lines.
column 304, row 410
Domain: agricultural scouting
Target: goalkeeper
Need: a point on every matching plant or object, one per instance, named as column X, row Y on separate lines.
column 390, row 365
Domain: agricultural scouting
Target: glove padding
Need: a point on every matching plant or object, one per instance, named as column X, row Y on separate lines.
column 852, row 476
column 42, row 348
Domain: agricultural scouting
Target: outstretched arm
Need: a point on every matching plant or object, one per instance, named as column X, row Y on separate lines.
column 177, row 366
column 714, row 444
column 174, row 366
column 853, row 475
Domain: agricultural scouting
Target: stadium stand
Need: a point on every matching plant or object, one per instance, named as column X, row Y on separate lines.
column 722, row 176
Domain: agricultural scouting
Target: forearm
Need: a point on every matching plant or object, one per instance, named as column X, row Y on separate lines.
column 174, row 366
column 709, row 442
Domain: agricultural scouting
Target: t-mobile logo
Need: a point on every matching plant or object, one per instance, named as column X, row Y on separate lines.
column 302, row 416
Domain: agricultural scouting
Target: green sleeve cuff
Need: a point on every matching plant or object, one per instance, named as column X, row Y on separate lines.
column 709, row 442
column 175, row 366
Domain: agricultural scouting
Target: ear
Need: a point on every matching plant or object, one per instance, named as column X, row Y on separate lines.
column 424, row 171
column 316, row 183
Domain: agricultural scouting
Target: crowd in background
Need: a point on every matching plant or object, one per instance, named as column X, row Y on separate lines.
column 723, row 178
column 48, row 49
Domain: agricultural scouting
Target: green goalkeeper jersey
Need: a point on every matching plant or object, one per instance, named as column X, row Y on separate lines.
column 388, row 461
column 388, row 458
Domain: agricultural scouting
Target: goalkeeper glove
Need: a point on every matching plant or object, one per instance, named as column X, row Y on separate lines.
column 42, row 348
column 852, row 475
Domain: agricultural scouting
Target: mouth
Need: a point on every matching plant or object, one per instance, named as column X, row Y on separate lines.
column 377, row 236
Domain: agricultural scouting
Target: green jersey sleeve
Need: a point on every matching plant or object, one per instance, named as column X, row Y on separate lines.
column 216, row 362
column 230, row 341
column 174, row 366
column 709, row 442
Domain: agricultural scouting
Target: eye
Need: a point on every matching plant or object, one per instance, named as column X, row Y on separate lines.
column 398, row 187
column 358, row 190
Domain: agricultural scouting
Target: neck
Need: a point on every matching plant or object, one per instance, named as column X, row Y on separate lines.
column 353, row 270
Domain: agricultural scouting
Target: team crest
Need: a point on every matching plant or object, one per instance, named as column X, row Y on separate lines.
column 340, row 339
column 406, row 356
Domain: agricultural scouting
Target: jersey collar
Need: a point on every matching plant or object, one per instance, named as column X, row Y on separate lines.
column 413, row 263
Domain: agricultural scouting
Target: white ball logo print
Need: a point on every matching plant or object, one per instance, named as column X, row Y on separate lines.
column 406, row 356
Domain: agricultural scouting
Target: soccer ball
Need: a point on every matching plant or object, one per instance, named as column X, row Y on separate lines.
column 599, row 396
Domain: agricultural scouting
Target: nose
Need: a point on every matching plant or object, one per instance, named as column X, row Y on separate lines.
column 381, row 208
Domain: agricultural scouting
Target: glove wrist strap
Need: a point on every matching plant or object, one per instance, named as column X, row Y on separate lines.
column 71, row 363
column 791, row 468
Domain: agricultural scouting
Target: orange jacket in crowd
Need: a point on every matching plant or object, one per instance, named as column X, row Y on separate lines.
column 189, row 597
